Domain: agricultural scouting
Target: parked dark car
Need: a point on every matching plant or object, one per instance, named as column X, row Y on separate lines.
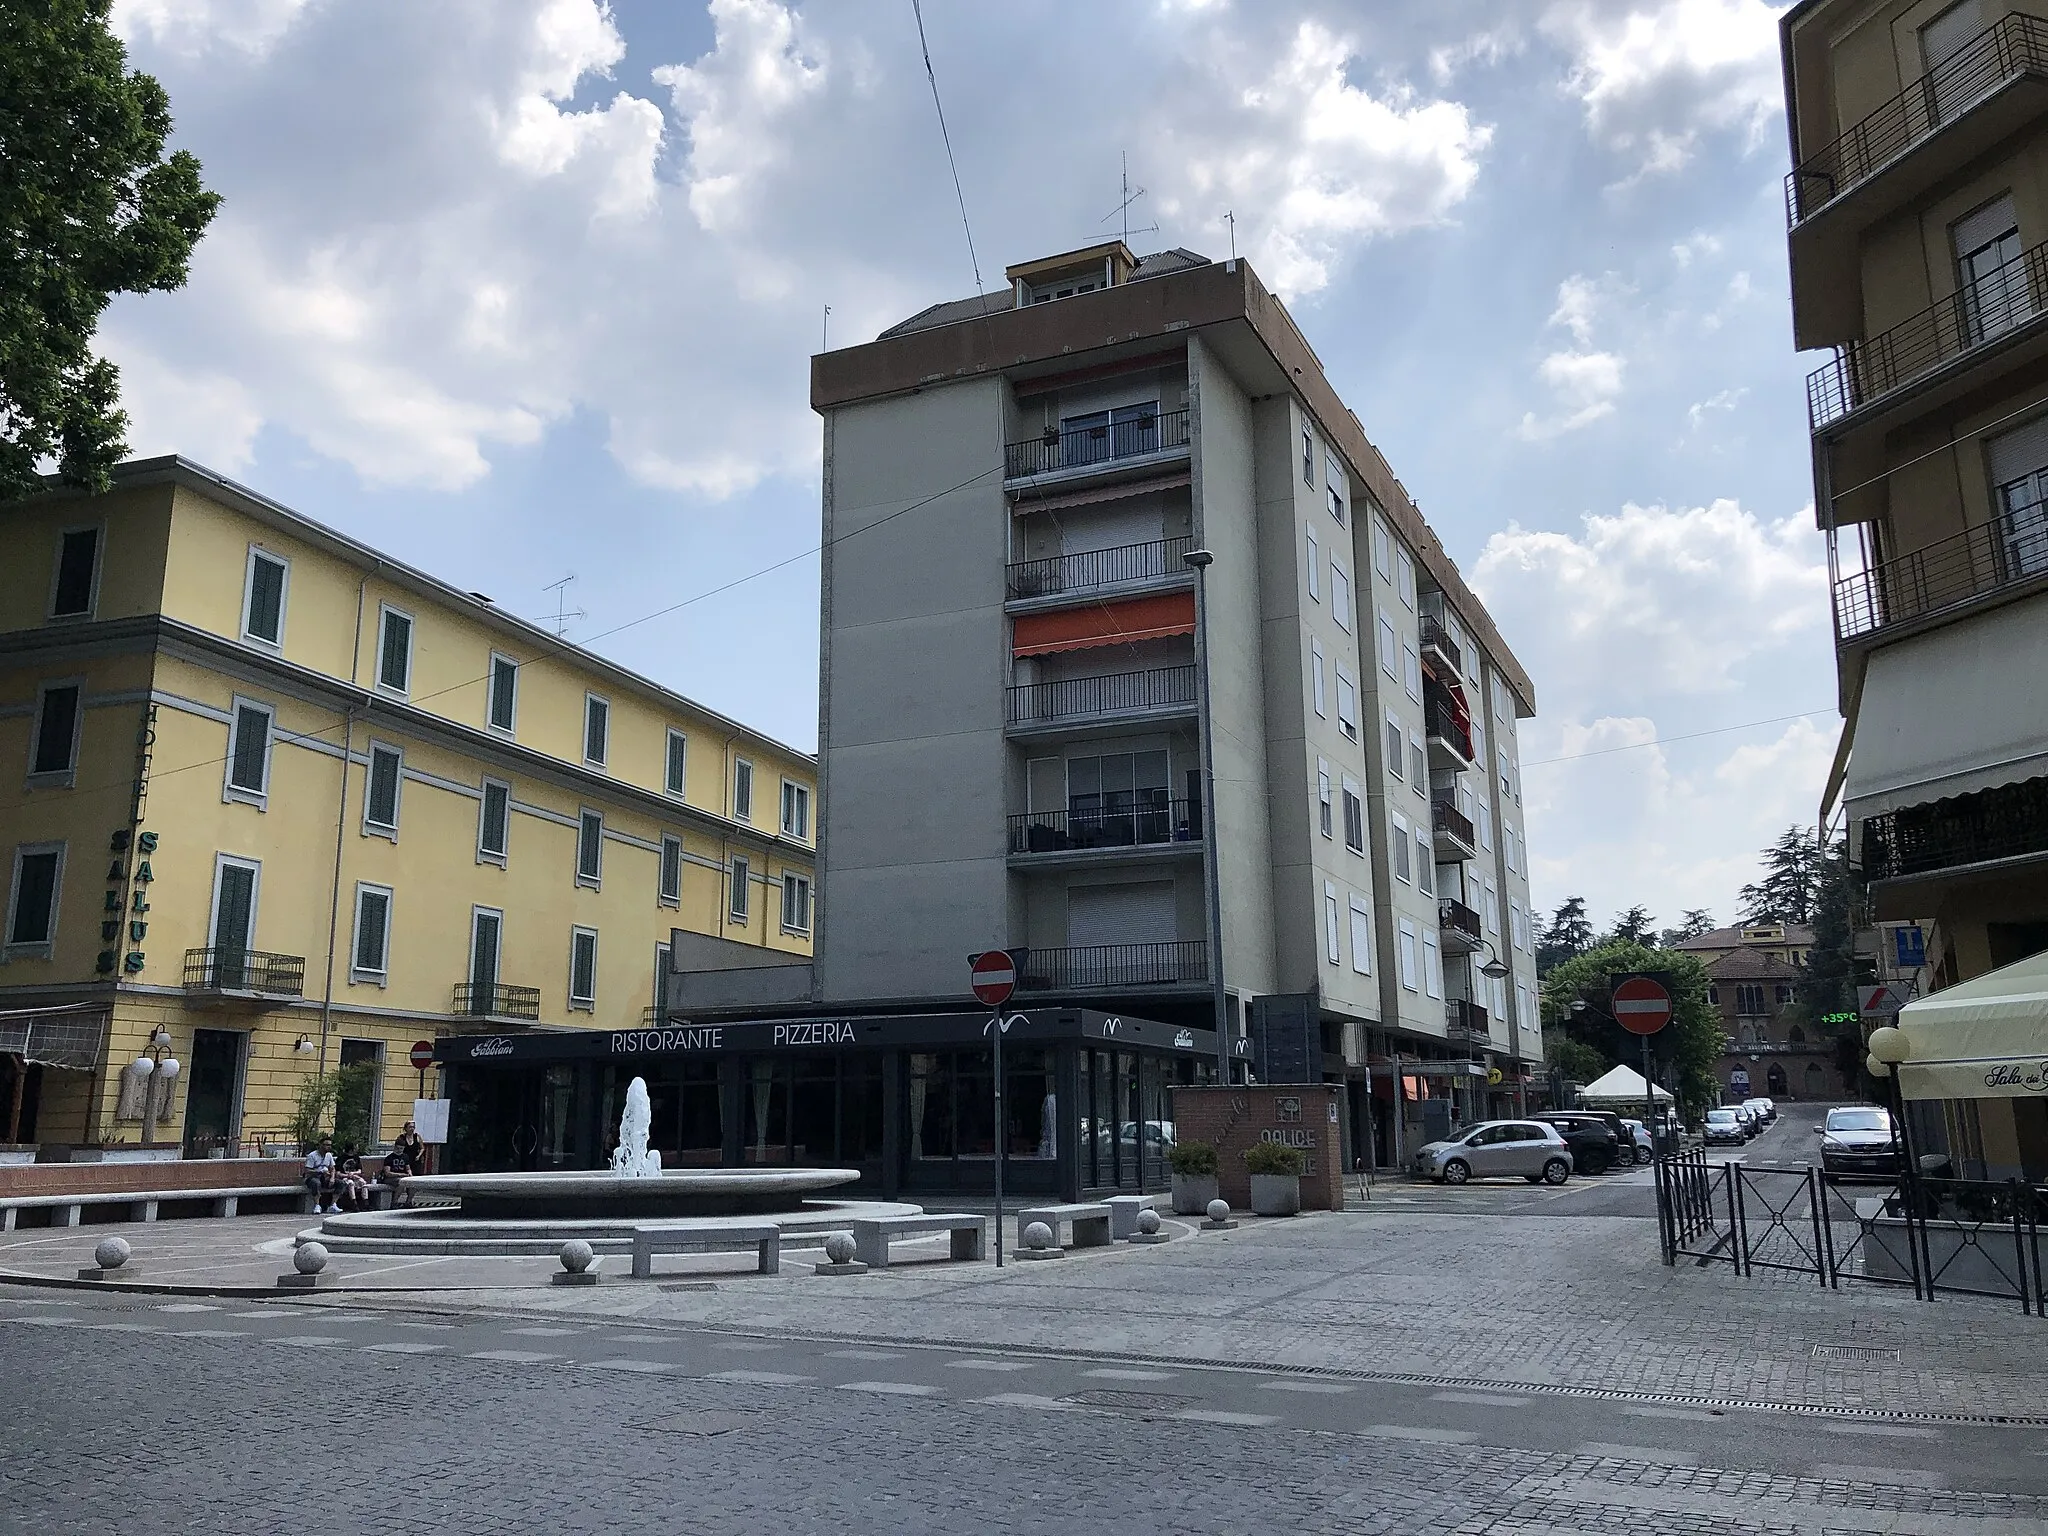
column 1859, row 1139
column 1596, row 1145
column 1723, row 1129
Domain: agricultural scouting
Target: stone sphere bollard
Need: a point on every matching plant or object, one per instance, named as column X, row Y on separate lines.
column 1219, row 1210
column 310, row 1259
column 839, row 1247
column 111, row 1253
column 577, row 1255
column 1148, row 1221
column 1038, row 1235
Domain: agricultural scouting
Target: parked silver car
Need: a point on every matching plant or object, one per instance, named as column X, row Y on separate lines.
column 1646, row 1148
column 1497, row 1149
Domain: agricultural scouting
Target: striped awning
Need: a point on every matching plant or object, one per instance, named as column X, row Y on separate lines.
column 1028, row 502
column 1078, row 629
column 70, row 1037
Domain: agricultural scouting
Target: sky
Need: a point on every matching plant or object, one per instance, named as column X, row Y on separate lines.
column 520, row 290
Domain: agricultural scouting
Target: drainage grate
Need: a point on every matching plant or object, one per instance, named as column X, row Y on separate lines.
column 1129, row 1402
column 1862, row 1353
column 690, row 1285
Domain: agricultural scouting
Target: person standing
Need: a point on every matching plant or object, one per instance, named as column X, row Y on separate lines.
column 413, row 1146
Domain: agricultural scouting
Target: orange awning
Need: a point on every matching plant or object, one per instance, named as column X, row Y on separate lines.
column 1076, row 629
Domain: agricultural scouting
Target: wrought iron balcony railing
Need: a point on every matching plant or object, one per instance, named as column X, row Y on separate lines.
column 1994, row 304
column 245, row 970
column 1087, row 966
column 1151, row 822
column 1448, row 822
column 1120, row 693
column 1458, row 925
column 1437, row 638
column 1084, row 572
column 1443, row 725
column 2002, row 823
column 2017, row 45
column 1075, row 447
column 1959, row 569
column 497, row 1001
column 1466, row 1020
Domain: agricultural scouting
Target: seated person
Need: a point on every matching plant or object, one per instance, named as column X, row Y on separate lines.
column 321, row 1177
column 394, row 1173
column 355, row 1184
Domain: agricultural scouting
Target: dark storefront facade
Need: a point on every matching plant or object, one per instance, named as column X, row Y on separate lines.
column 908, row 1100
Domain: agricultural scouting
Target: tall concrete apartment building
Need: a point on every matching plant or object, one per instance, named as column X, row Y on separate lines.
column 1918, row 212
column 1011, row 721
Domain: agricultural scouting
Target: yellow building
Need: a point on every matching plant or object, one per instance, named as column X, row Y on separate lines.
column 272, row 803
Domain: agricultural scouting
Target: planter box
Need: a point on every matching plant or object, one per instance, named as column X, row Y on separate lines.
column 1276, row 1194
column 1192, row 1193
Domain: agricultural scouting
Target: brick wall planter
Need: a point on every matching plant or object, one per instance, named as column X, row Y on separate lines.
column 1308, row 1116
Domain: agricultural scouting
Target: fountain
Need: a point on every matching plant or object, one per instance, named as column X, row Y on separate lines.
column 632, row 1159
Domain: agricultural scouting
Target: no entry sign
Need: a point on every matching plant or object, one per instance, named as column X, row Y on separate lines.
column 423, row 1054
column 1642, row 1006
column 993, row 975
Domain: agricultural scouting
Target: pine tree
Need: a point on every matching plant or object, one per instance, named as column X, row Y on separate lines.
column 1635, row 926
column 1696, row 921
column 1792, row 867
column 1569, row 934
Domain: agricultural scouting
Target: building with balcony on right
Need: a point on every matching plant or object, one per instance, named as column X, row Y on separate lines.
column 1918, row 230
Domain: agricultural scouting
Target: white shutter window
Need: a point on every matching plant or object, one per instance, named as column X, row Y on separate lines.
column 1401, row 869
column 1432, row 967
column 2017, row 454
column 1379, row 548
column 1406, row 566
column 1340, row 597
column 1389, row 648
column 1140, row 913
column 1411, row 666
column 1332, row 938
column 1324, row 811
column 1407, row 954
column 1361, row 936
column 1425, row 865
column 1315, row 561
column 1315, row 656
column 1492, row 900
column 1347, row 705
column 1396, row 739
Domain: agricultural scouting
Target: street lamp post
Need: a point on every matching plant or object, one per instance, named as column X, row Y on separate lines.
column 154, row 1065
column 1212, row 849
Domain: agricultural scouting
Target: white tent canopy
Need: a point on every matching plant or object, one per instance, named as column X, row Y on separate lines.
column 1624, row 1085
column 1980, row 1039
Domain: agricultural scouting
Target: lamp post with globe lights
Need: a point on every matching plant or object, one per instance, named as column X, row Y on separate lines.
column 155, row 1065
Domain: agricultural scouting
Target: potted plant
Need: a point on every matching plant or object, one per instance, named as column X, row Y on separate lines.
column 1276, row 1178
column 1194, row 1177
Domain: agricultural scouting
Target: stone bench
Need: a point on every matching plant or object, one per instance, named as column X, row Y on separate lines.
column 1089, row 1222
column 871, row 1235
column 1123, row 1214
column 727, row 1237
column 143, row 1203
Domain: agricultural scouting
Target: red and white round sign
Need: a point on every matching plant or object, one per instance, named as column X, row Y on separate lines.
column 993, row 977
column 423, row 1054
column 1642, row 1006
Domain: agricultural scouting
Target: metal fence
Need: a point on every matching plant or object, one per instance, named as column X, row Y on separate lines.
column 2011, row 548
column 1077, row 445
column 1151, row 821
column 1114, row 965
column 497, row 1001
column 1056, row 575
column 1119, row 693
column 246, row 970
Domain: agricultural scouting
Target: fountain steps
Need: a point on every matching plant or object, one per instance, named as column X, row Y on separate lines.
column 434, row 1234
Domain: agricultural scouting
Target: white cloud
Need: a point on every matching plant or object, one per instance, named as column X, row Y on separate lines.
column 1485, row 48
column 248, row 27
column 1583, row 380
column 1726, row 400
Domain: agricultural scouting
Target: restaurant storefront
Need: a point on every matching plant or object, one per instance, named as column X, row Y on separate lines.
column 908, row 1100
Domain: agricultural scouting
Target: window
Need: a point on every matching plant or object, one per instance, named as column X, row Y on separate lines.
column 1402, row 872
column 493, row 823
column 249, row 754
column 1336, row 485
column 1380, row 544
column 32, row 901
column 1491, row 900
column 1749, row 997
column 1524, row 1015
column 1432, row 966
column 1407, row 956
column 590, row 849
column 743, row 789
column 1484, row 821
column 1411, row 669
column 1418, row 767
column 1347, row 705
column 1514, row 924
column 1332, row 936
column 394, row 649
column 1308, row 456
column 1478, row 736
column 233, row 928
column 53, row 754
column 1783, row 992
column 1315, row 580
column 1425, row 865
column 1323, row 805
column 1507, row 783
column 74, row 585
column 796, row 810
column 1507, row 845
column 583, row 968
column 1361, row 936
column 736, row 893
column 370, row 956
column 1714, row 995
column 380, row 798
column 678, row 775
column 1397, row 741
column 671, row 871
column 597, row 729
column 1315, row 656
column 504, row 693
column 265, row 582
column 1405, row 564
column 1340, row 597
column 1990, row 280
column 1388, row 650
column 1354, row 818
column 796, row 904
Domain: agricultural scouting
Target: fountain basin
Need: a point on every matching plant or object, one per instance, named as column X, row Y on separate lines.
column 677, row 1192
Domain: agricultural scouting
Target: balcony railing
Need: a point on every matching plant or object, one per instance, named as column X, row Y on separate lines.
column 498, row 1001
column 1442, row 724
column 1458, row 925
column 1086, row 966
column 1435, row 637
column 1100, row 443
column 1974, row 563
column 1084, row 572
column 245, row 970
column 1082, row 698
column 1466, row 1021
column 1136, row 826
column 2003, row 823
column 1993, row 304
column 2017, row 45
column 1453, row 825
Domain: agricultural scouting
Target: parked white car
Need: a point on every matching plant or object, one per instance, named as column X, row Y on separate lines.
column 1497, row 1149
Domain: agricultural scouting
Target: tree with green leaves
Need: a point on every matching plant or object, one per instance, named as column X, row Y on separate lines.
column 1696, row 921
column 1577, row 1061
column 1688, row 1046
column 1635, row 926
column 90, row 206
column 1791, row 879
column 1569, row 934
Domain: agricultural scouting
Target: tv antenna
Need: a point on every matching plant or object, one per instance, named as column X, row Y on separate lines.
column 562, row 615
column 1123, row 209
column 1231, row 219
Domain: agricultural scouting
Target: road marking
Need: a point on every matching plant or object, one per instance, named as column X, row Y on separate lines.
column 1489, row 1399
column 1029, row 1400
column 638, row 1338
column 1886, row 1431
column 1650, row 1411
column 864, row 1354
column 746, row 1344
column 124, row 1327
column 645, row 1367
column 1612, row 1452
column 1218, row 1416
column 405, row 1349
column 542, row 1333
column 1321, row 1388
column 211, row 1333
column 1420, row 1432
column 760, row 1378
column 267, row 1314
column 187, row 1306
column 1908, row 1477
column 441, row 1326
column 512, row 1356
column 890, row 1388
column 309, row 1340
column 1116, row 1373
column 991, row 1365
column 45, row 1322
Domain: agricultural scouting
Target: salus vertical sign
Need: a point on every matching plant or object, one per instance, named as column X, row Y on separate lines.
column 124, row 921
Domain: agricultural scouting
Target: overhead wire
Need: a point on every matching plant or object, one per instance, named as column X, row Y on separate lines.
column 1664, row 741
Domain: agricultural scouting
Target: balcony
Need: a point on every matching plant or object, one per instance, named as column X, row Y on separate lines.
column 1077, row 448
column 1466, row 1022
column 1457, row 926
column 1990, row 826
column 1120, row 695
column 2000, row 303
column 1107, row 967
column 1454, row 835
column 1092, row 570
column 1968, row 567
column 1450, row 740
column 244, row 975
column 498, row 1002
column 1157, row 823
column 1437, row 639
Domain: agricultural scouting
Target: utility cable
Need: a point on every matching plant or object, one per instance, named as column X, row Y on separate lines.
column 1661, row 741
